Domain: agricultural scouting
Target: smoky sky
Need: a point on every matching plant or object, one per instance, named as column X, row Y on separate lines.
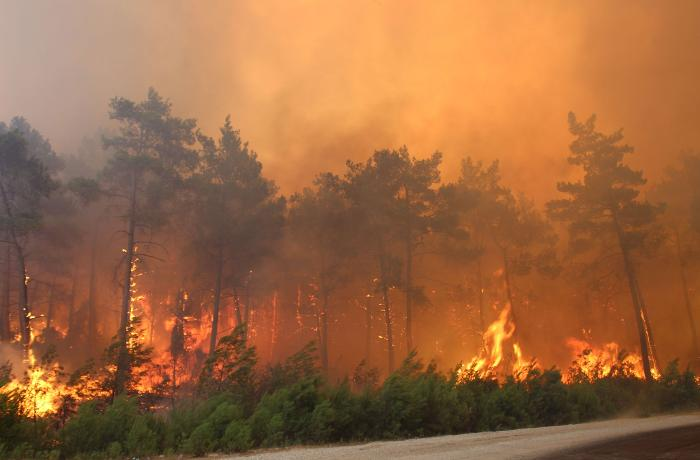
column 313, row 83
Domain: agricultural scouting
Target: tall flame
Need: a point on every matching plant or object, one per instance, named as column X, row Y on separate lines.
column 490, row 359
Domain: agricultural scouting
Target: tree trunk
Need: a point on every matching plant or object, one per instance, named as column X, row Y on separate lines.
column 5, row 332
column 632, row 282
column 123, row 360
column 368, row 329
column 509, row 291
column 387, row 313
column 237, row 307
column 480, row 282
column 25, row 313
column 92, row 294
column 409, row 275
column 688, row 304
column 177, row 340
column 71, row 304
column 653, row 356
column 217, row 303
column 248, row 306
column 50, row 307
column 324, row 328
column 273, row 332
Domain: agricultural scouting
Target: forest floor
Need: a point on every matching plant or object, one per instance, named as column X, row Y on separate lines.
column 668, row 437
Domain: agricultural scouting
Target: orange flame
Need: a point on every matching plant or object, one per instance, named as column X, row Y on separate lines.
column 592, row 362
column 491, row 356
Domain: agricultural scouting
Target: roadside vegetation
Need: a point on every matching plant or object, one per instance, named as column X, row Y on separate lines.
column 235, row 408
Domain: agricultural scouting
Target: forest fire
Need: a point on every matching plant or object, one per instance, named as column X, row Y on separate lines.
column 379, row 242
column 593, row 363
column 497, row 357
column 40, row 386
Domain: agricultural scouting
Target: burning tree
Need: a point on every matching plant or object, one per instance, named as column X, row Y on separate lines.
column 604, row 206
column 24, row 183
column 680, row 191
column 320, row 225
column 151, row 155
column 237, row 215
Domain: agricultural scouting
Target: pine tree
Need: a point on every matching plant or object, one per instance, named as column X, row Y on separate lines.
column 603, row 206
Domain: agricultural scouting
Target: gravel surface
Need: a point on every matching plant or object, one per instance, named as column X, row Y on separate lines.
column 568, row 441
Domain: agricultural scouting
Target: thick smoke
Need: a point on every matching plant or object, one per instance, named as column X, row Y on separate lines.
column 311, row 84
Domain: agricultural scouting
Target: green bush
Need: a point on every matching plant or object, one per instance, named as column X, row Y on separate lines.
column 207, row 436
column 285, row 416
column 548, row 398
column 237, row 437
column 93, row 431
column 506, row 408
column 293, row 404
column 417, row 402
column 585, row 403
column 201, row 440
column 142, row 439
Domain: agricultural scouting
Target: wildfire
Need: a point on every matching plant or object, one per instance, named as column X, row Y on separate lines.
column 494, row 357
column 592, row 363
column 40, row 387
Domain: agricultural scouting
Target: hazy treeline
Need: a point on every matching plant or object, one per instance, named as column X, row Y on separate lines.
column 162, row 235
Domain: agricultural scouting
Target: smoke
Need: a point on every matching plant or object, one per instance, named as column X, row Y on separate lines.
column 12, row 354
column 311, row 84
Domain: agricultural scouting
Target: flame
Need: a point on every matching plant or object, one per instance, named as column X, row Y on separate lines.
column 40, row 389
column 592, row 362
column 490, row 359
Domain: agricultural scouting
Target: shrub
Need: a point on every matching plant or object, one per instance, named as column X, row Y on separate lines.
column 202, row 440
column 142, row 439
column 548, row 399
column 92, row 431
column 675, row 390
column 284, row 416
column 237, row 437
column 506, row 408
column 206, row 437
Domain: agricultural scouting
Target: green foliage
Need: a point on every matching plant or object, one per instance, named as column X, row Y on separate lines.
column 93, row 430
column 285, row 416
column 201, row 441
column 237, row 437
column 230, row 368
column 142, row 439
column 414, row 402
column 300, row 407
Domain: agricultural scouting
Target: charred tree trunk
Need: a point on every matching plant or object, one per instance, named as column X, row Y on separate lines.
column 324, row 327
column 387, row 311
column 273, row 331
column 177, row 340
column 480, row 282
column 123, row 359
column 50, row 307
column 409, row 275
column 509, row 290
column 217, row 302
column 71, row 304
column 653, row 356
column 634, row 292
column 25, row 314
column 237, row 307
column 688, row 304
column 248, row 306
column 92, row 294
column 368, row 329
column 5, row 332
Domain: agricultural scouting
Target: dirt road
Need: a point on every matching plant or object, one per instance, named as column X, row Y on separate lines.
column 674, row 436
